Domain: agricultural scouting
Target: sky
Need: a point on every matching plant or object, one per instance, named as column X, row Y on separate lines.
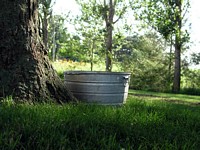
column 63, row 6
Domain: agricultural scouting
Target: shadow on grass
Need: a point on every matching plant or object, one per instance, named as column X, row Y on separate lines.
column 135, row 125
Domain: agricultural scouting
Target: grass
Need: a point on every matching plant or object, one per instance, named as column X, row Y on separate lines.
column 149, row 120
column 142, row 123
column 178, row 98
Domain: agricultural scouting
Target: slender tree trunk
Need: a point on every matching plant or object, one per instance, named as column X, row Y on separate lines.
column 25, row 70
column 109, row 34
column 170, row 61
column 178, row 46
column 109, row 48
column 92, row 55
column 54, row 43
column 177, row 69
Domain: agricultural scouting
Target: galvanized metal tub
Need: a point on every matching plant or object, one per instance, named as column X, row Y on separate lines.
column 98, row 87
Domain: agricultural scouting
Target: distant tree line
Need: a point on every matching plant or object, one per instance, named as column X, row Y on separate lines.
column 153, row 58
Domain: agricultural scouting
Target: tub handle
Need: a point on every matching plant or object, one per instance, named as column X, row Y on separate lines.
column 126, row 79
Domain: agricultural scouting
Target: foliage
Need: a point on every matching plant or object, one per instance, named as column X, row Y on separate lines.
column 60, row 42
column 146, row 61
column 196, row 58
column 168, row 17
column 58, row 37
column 147, row 74
column 91, row 36
column 191, row 82
column 190, row 91
column 45, row 15
column 161, row 15
column 139, row 124
column 99, row 17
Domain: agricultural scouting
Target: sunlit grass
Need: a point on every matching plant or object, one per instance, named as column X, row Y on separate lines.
column 67, row 65
column 182, row 98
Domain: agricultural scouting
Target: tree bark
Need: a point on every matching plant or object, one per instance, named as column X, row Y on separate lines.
column 25, row 70
column 109, row 33
column 45, row 26
column 171, row 55
column 109, row 48
column 178, row 46
column 177, row 68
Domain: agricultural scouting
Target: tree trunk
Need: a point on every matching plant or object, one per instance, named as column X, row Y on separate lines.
column 45, row 30
column 109, row 33
column 109, row 48
column 177, row 69
column 25, row 70
column 178, row 46
column 92, row 55
column 170, row 61
column 54, row 44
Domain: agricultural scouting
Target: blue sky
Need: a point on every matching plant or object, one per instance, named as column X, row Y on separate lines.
column 63, row 6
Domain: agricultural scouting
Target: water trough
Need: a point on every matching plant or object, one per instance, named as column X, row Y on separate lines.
column 110, row 88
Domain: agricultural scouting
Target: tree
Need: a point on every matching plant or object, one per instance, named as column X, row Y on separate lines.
column 45, row 14
column 109, row 11
column 195, row 58
column 167, row 17
column 92, row 43
column 25, row 69
column 90, row 29
column 143, row 56
column 58, row 35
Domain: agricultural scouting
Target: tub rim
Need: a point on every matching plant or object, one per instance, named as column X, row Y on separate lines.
column 78, row 72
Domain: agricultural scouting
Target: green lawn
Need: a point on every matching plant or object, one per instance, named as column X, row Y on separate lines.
column 177, row 98
column 146, row 121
